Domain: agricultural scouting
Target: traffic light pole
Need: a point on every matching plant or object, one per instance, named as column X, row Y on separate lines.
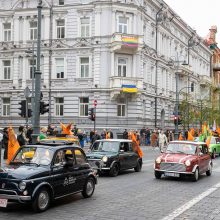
column 36, row 112
column 95, row 118
column 26, row 115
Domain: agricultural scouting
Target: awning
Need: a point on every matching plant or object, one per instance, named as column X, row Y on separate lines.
column 129, row 88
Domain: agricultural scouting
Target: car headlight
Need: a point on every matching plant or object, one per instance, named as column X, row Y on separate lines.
column 188, row 163
column 158, row 160
column 22, row 185
column 104, row 159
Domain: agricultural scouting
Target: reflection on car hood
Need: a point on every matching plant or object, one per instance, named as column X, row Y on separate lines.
column 23, row 172
column 176, row 158
column 100, row 154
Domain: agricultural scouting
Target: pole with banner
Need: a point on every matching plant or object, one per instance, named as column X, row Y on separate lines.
column 95, row 104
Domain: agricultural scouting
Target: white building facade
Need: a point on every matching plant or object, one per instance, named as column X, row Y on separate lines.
column 94, row 50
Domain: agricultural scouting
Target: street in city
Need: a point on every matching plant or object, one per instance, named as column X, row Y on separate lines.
column 138, row 196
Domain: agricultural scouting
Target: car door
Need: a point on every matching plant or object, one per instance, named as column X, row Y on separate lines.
column 81, row 168
column 63, row 176
column 217, row 145
column 59, row 174
column 124, row 156
column 133, row 156
column 206, row 157
column 203, row 158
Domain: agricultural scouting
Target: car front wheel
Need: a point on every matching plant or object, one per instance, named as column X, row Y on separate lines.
column 196, row 175
column 42, row 200
column 88, row 188
column 114, row 170
column 209, row 171
column 157, row 174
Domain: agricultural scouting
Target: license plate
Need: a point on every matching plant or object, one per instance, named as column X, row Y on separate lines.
column 3, row 203
column 172, row 174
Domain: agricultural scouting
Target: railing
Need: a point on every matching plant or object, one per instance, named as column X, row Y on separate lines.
column 117, row 82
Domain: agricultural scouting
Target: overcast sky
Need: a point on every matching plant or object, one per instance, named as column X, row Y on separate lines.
column 198, row 14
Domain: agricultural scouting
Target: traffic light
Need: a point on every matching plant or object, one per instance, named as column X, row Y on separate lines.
column 43, row 108
column 22, row 108
column 29, row 113
column 91, row 114
column 175, row 120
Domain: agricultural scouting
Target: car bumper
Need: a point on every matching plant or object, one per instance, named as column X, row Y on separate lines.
column 98, row 165
column 165, row 171
column 12, row 195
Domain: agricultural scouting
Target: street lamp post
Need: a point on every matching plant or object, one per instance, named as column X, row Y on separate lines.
column 176, row 63
column 32, row 80
column 36, row 112
column 159, row 18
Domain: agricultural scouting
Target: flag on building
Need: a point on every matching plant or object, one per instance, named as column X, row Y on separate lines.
column 129, row 88
column 13, row 144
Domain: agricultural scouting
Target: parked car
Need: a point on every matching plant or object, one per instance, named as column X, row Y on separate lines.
column 214, row 146
column 113, row 156
column 184, row 158
column 39, row 174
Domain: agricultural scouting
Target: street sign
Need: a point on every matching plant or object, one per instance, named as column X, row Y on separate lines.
column 27, row 92
column 95, row 103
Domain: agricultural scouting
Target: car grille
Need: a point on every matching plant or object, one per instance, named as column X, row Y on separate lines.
column 173, row 167
column 8, row 192
column 94, row 163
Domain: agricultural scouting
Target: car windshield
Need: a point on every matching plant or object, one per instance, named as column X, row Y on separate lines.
column 33, row 155
column 107, row 146
column 181, row 148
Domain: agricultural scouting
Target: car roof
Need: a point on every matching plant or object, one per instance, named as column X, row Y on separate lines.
column 187, row 142
column 114, row 140
column 52, row 147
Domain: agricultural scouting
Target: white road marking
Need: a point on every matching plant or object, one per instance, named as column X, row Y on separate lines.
column 191, row 203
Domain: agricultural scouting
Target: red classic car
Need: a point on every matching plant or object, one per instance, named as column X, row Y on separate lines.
column 184, row 158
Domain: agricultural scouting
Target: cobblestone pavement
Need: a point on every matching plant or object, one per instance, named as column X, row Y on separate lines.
column 132, row 196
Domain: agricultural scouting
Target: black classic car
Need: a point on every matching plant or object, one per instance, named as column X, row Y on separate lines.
column 113, row 155
column 39, row 174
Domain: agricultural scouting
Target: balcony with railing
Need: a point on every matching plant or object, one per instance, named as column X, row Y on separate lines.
column 205, row 80
column 130, row 85
column 127, row 42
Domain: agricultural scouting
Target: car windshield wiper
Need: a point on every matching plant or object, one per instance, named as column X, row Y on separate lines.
column 31, row 163
column 181, row 152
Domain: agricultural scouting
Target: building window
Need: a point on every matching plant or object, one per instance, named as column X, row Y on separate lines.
column 5, row 106
column 85, row 27
column 123, row 25
column 59, row 68
column 121, row 108
column 61, row 29
column 7, row 32
column 122, row 67
column 7, row 69
column 84, row 67
column 32, row 68
column 84, row 105
column 59, row 106
column 61, row 2
column 33, row 30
